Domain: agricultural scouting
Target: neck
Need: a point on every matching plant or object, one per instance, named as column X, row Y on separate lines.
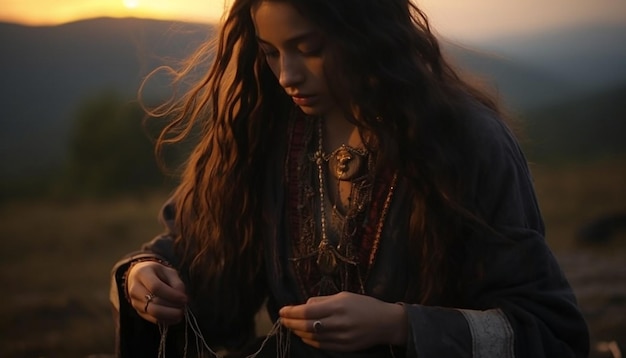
column 339, row 131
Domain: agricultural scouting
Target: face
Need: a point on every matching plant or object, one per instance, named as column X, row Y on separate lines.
column 294, row 51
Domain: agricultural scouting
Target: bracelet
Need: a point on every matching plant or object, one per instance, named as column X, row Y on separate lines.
column 132, row 264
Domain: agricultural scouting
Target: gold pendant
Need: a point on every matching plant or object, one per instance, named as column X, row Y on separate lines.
column 345, row 163
column 326, row 261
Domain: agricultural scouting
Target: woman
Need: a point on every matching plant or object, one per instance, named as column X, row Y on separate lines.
column 346, row 176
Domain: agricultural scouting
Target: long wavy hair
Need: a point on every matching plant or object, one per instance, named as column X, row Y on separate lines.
column 398, row 87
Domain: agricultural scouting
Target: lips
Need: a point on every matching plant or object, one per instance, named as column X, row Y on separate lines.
column 304, row 100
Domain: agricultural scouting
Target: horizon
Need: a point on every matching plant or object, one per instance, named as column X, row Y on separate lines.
column 480, row 20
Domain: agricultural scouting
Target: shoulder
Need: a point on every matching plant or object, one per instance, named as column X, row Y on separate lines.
column 498, row 180
column 486, row 125
column 488, row 137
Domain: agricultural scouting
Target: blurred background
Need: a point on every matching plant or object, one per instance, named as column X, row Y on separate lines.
column 79, row 186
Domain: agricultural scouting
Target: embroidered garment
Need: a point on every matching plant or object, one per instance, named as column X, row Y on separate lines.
column 520, row 305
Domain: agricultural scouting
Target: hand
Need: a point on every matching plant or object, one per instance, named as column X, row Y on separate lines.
column 349, row 322
column 168, row 290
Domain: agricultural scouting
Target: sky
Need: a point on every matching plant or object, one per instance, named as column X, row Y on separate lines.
column 456, row 19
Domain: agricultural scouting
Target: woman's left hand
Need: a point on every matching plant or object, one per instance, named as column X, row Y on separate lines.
column 346, row 322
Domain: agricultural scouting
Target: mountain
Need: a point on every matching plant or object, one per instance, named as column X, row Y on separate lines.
column 50, row 70
column 580, row 128
column 519, row 85
column 592, row 56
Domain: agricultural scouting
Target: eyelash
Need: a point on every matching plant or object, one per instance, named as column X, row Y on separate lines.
column 315, row 52
column 270, row 54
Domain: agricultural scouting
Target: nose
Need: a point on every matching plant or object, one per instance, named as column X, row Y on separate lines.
column 291, row 71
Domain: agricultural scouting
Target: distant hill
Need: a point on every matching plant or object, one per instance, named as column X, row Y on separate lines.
column 591, row 56
column 580, row 128
column 49, row 70
column 517, row 84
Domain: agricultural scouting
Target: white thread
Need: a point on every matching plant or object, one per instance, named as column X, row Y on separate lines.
column 283, row 343
column 163, row 328
column 186, row 340
column 277, row 331
column 190, row 320
column 282, row 339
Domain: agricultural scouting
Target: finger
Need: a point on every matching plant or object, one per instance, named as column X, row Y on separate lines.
column 155, row 312
column 171, row 277
column 315, row 308
column 146, row 276
column 161, row 292
column 312, row 342
column 320, row 330
column 154, row 284
column 171, row 287
column 141, row 303
column 329, row 346
column 317, row 299
column 334, row 341
column 326, row 342
column 160, row 301
column 296, row 325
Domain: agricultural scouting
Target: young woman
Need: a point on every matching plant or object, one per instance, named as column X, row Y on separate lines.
column 349, row 179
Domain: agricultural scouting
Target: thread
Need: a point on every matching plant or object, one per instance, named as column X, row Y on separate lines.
column 282, row 339
column 163, row 328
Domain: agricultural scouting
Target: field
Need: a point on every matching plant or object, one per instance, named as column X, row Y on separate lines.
column 55, row 259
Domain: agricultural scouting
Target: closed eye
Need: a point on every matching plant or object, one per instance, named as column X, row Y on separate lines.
column 269, row 52
column 308, row 44
column 311, row 50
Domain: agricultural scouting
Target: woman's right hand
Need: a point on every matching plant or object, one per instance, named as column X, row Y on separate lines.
column 152, row 279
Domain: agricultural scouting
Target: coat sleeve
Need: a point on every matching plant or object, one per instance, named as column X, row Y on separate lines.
column 136, row 337
column 518, row 303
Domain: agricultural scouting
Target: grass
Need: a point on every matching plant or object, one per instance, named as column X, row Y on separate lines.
column 55, row 264
column 573, row 195
column 55, row 258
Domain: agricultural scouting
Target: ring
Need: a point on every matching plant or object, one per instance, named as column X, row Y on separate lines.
column 317, row 326
column 149, row 297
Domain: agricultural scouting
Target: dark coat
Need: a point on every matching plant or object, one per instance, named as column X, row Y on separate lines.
column 520, row 306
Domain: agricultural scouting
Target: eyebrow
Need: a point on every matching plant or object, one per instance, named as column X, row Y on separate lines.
column 293, row 40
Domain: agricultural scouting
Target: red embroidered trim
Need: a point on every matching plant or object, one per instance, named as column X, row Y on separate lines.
column 367, row 238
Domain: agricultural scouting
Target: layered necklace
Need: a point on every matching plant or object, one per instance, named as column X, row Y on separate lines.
column 334, row 256
column 344, row 163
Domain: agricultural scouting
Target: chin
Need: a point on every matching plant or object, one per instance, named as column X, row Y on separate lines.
column 314, row 111
column 311, row 111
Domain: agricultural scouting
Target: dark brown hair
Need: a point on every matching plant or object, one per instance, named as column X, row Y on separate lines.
column 398, row 87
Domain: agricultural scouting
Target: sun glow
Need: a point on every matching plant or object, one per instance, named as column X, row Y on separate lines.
column 454, row 18
column 131, row 4
column 46, row 12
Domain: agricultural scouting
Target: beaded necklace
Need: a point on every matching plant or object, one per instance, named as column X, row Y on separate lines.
column 327, row 253
column 321, row 266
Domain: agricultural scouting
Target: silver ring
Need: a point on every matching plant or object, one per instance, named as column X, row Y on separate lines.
column 149, row 297
column 317, row 326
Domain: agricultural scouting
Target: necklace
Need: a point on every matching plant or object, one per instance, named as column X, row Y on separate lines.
column 328, row 254
column 347, row 163
column 330, row 258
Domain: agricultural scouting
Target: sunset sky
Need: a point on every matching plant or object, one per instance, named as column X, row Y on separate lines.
column 461, row 19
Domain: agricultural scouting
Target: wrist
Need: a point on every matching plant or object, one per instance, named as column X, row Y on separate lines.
column 132, row 265
column 398, row 327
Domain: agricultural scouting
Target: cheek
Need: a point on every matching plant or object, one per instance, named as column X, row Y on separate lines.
column 316, row 68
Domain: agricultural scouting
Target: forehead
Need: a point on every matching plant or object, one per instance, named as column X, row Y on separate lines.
column 279, row 21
